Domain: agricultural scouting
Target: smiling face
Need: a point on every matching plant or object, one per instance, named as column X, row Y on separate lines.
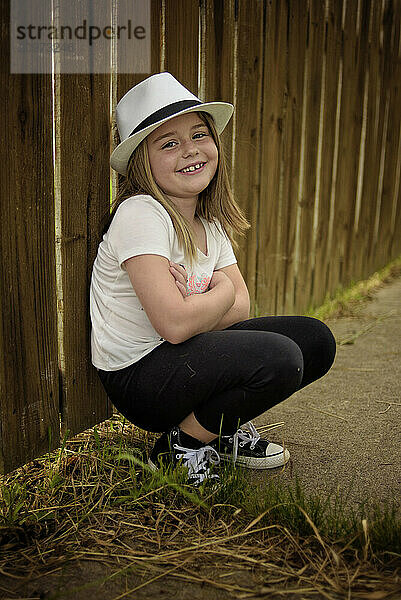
column 177, row 144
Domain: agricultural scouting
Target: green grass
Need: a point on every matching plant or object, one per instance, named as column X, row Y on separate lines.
column 349, row 300
column 83, row 499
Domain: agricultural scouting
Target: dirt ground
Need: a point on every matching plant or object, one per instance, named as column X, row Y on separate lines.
column 345, row 429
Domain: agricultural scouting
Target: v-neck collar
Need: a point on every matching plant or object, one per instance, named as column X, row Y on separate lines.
column 207, row 238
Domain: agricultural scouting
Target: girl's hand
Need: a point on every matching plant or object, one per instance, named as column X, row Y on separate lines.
column 181, row 277
column 220, row 278
column 217, row 278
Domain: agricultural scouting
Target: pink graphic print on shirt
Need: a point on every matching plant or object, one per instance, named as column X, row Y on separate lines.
column 197, row 284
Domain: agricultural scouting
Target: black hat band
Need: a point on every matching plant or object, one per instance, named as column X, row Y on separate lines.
column 165, row 112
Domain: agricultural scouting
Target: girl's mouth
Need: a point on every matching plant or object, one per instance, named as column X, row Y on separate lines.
column 192, row 170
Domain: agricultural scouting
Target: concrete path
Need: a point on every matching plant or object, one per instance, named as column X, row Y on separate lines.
column 345, row 429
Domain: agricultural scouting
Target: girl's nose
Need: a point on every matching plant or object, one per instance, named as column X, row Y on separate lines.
column 189, row 147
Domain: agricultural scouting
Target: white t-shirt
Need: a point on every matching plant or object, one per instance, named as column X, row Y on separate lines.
column 121, row 331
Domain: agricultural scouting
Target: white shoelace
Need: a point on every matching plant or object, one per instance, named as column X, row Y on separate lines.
column 247, row 434
column 196, row 460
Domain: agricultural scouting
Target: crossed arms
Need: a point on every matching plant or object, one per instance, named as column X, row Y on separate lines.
column 160, row 287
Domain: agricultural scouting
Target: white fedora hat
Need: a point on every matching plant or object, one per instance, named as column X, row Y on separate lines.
column 150, row 103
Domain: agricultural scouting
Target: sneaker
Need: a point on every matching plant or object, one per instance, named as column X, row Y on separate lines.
column 247, row 448
column 169, row 451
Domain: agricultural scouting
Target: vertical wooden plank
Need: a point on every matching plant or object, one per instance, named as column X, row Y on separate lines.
column 209, row 46
column 297, row 36
column 355, row 234
column 393, row 162
column 342, row 219
column 126, row 81
column 390, row 145
column 181, row 42
column 372, row 141
column 83, row 195
column 29, row 411
column 361, row 206
column 395, row 249
column 247, row 132
column 381, row 126
column 273, row 162
column 307, row 200
column 348, row 142
column 218, row 61
column 332, row 53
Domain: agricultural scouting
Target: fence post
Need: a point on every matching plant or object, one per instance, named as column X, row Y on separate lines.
column 29, row 399
column 82, row 109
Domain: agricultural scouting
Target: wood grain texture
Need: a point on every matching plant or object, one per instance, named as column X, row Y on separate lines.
column 323, row 248
column 181, row 42
column 29, row 411
column 308, row 177
column 380, row 93
column 392, row 176
column 391, row 129
column 395, row 247
column 375, row 113
column 349, row 136
column 275, row 123
column 247, row 115
column 351, row 154
column 84, row 199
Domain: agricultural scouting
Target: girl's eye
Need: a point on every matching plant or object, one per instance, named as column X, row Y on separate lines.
column 195, row 134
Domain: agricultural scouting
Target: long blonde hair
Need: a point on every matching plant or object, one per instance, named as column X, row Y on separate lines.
column 214, row 202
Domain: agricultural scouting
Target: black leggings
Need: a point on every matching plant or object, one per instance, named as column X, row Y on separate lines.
column 225, row 377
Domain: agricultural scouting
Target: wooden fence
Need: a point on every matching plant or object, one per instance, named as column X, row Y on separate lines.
column 315, row 149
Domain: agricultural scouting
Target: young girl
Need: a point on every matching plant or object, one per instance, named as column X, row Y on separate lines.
column 171, row 336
